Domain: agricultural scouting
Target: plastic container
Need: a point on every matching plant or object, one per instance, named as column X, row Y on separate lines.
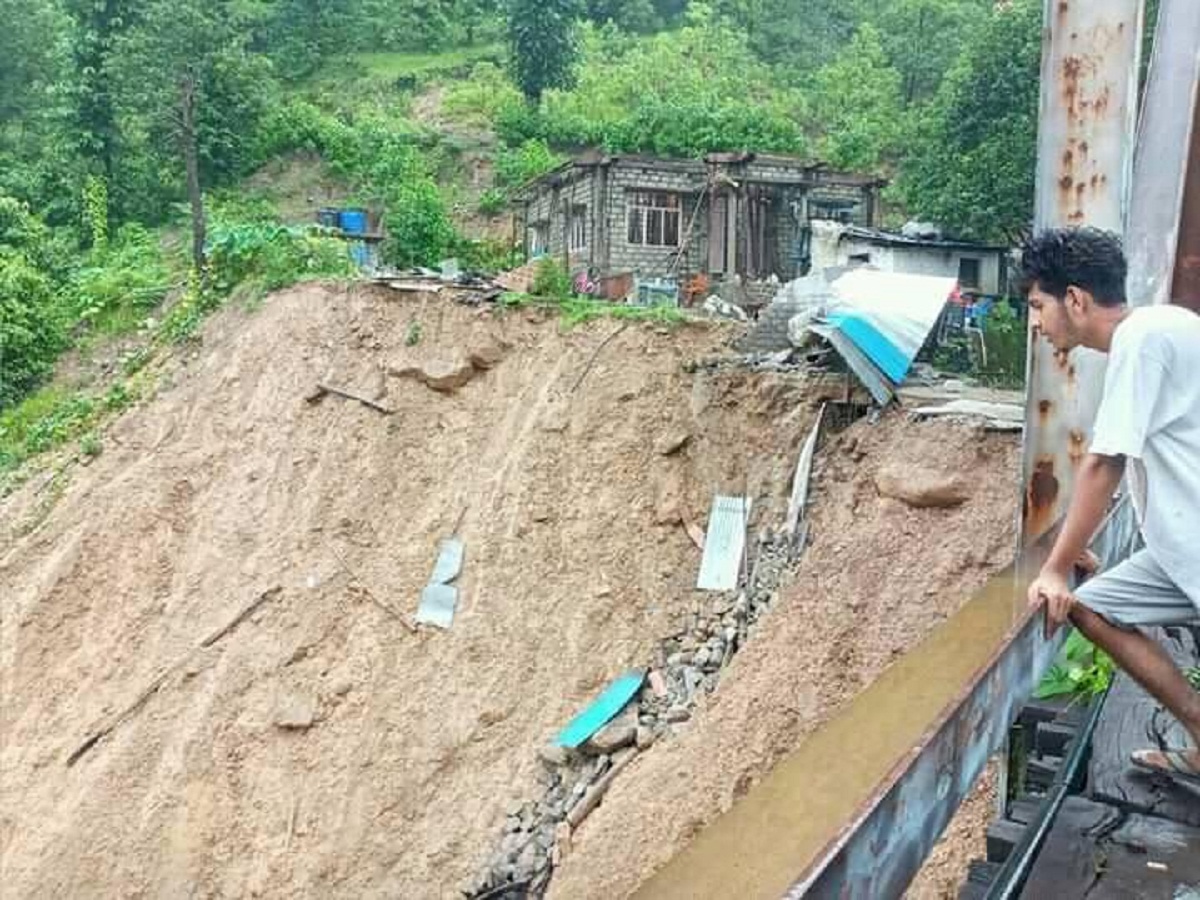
column 353, row 221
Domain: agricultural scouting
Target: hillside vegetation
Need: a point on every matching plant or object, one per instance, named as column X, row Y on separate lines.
column 157, row 158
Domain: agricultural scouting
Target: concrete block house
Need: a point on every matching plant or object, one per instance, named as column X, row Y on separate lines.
column 618, row 220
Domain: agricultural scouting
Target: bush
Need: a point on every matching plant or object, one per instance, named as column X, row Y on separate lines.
column 126, row 280
column 271, row 257
column 683, row 93
column 32, row 327
column 484, row 97
column 1006, row 339
column 551, row 280
column 419, row 228
column 517, row 166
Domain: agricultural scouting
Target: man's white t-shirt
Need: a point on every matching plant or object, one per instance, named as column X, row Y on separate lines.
column 1150, row 414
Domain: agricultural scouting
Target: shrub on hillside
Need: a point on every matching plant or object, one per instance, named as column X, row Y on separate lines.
column 32, row 328
column 273, row 256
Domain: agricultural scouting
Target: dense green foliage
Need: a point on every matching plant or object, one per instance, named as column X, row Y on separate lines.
column 542, row 34
column 976, row 145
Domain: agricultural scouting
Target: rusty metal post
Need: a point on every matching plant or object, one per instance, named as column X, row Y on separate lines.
column 1163, row 234
column 1186, row 287
column 1090, row 64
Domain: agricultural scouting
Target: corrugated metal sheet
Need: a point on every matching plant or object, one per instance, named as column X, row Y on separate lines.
column 601, row 710
column 724, row 544
column 803, row 476
column 873, row 380
column 449, row 562
column 439, row 599
column 437, row 606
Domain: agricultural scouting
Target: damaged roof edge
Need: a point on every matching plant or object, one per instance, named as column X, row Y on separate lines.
column 872, row 378
column 892, row 238
column 594, row 158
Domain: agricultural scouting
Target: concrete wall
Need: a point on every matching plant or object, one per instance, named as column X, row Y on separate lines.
column 624, row 180
column 605, row 191
column 829, row 251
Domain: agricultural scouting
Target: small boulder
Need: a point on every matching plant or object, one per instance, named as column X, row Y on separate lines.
column 554, row 755
column 923, row 488
column 296, row 712
column 443, row 376
column 486, row 355
column 672, row 442
column 620, row 732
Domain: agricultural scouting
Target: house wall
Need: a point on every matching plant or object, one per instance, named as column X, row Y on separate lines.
column 912, row 260
column 605, row 190
column 552, row 205
column 625, row 178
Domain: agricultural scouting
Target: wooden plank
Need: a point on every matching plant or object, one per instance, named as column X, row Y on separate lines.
column 1091, row 853
column 1133, row 720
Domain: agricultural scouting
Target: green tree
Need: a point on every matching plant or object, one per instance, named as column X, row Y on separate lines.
column 542, row 35
column 299, row 35
column 800, row 36
column 96, row 24
column 856, row 104
column 183, row 78
column 906, row 28
column 973, row 154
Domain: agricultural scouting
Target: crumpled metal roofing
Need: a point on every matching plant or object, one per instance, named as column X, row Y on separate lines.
column 878, row 322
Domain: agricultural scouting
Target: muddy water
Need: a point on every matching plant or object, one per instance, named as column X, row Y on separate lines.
column 770, row 836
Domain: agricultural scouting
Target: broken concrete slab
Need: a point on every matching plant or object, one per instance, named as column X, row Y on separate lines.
column 923, row 488
column 296, row 712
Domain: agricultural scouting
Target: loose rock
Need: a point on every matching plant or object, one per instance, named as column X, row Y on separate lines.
column 923, row 488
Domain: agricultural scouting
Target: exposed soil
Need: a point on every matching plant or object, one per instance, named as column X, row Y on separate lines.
column 321, row 749
column 229, row 484
column 877, row 577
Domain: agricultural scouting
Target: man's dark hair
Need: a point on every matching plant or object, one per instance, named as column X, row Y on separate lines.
column 1088, row 258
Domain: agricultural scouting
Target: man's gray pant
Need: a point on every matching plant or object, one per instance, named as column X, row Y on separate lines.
column 1138, row 592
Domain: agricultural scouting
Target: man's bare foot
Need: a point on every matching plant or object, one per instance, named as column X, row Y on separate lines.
column 1181, row 764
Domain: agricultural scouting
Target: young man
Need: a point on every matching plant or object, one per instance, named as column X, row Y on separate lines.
column 1148, row 428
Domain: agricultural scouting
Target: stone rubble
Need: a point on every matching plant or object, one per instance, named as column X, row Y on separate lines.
column 537, row 832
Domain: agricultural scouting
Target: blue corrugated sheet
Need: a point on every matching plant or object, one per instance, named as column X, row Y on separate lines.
column 602, row 710
column 878, row 322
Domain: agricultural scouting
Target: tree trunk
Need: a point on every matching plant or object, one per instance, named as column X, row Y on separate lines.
column 191, row 159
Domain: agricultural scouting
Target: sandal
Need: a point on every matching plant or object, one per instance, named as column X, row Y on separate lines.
column 1177, row 766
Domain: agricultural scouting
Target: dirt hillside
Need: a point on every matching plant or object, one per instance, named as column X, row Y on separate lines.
column 878, row 576
column 317, row 748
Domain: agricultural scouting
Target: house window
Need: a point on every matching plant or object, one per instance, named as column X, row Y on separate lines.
column 968, row 273
column 654, row 218
column 539, row 239
column 578, row 234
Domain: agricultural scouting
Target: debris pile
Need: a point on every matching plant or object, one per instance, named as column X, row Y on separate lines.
column 537, row 832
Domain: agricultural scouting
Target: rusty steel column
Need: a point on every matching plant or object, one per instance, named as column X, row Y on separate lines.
column 1090, row 61
column 1186, row 286
column 1163, row 234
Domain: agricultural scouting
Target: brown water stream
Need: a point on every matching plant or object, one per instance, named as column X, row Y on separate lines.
column 770, row 836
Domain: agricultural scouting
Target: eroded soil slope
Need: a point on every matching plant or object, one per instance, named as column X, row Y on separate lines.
column 320, row 749
column 878, row 576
